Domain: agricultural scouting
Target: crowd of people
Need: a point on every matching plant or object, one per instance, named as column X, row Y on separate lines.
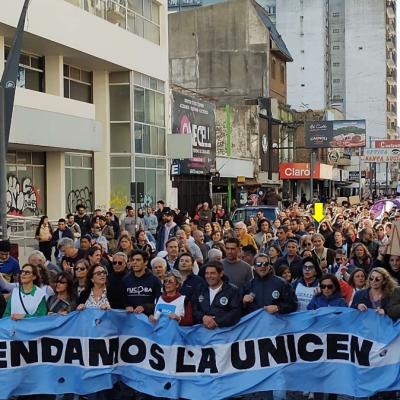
column 205, row 270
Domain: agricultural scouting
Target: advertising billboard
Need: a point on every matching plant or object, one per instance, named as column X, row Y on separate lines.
column 196, row 117
column 335, row 134
column 381, row 155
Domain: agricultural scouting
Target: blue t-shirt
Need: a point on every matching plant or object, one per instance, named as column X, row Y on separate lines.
column 9, row 268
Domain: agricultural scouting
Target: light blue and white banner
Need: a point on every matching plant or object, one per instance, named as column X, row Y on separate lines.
column 331, row 350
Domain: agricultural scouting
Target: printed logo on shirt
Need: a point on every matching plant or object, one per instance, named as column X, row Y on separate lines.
column 275, row 294
column 166, row 308
column 140, row 290
column 201, row 298
column 223, row 301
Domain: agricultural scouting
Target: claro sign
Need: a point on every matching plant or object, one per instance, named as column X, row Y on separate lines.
column 298, row 171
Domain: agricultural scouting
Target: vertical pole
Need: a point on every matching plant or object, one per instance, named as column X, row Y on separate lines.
column 359, row 173
column 370, row 169
column 228, row 149
column 387, row 179
column 312, row 167
column 269, row 137
column 3, row 173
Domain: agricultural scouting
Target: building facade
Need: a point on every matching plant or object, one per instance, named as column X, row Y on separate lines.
column 91, row 105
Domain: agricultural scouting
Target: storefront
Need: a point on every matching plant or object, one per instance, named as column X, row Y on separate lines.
column 296, row 178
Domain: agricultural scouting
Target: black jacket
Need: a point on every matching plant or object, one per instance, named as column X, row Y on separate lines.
column 271, row 290
column 226, row 307
column 193, row 285
column 143, row 291
column 296, row 266
column 115, row 289
column 362, row 297
column 83, row 222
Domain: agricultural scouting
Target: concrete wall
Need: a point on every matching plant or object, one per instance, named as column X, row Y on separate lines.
column 305, row 39
column 215, row 50
column 366, row 64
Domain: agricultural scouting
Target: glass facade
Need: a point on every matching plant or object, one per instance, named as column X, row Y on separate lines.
column 26, row 183
column 78, row 84
column 141, row 17
column 137, row 137
column 78, row 181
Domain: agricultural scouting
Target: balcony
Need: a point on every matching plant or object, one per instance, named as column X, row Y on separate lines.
column 391, row 97
column 390, row 44
column 390, row 62
column 390, row 10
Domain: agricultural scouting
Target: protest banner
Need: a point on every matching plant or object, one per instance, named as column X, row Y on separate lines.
column 85, row 352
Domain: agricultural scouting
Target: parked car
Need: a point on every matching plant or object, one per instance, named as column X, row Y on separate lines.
column 244, row 213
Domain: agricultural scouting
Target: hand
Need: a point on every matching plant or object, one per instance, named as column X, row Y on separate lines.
column 138, row 310
column 362, row 307
column 380, row 311
column 209, row 322
column 80, row 307
column 16, row 317
column 152, row 319
column 129, row 309
column 175, row 317
column 248, row 298
column 323, row 264
column 272, row 309
column 105, row 307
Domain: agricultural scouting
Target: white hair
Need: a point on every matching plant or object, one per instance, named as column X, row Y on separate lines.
column 37, row 253
column 214, row 254
column 158, row 260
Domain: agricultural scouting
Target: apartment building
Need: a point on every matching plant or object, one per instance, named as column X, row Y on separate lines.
column 91, row 105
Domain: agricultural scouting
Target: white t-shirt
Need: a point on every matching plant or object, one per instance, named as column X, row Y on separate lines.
column 213, row 293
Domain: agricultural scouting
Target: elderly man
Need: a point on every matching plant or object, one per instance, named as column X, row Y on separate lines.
column 193, row 247
column 245, row 238
column 205, row 214
column 115, row 287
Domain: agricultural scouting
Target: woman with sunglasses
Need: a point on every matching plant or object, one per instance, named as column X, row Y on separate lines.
column 330, row 294
column 28, row 299
column 380, row 287
column 95, row 293
column 172, row 304
column 80, row 273
column 64, row 300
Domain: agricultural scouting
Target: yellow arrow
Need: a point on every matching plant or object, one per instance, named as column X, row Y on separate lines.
column 318, row 212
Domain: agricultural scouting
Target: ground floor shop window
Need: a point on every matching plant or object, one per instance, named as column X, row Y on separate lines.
column 78, row 181
column 26, row 183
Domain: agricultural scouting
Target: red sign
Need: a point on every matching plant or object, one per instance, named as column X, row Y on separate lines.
column 297, row 171
column 387, row 144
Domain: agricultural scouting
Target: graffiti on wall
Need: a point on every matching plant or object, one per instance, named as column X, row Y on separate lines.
column 22, row 196
column 79, row 196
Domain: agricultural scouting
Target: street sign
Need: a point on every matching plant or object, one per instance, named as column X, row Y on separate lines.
column 387, row 144
column 354, row 176
column 137, row 192
column 333, row 156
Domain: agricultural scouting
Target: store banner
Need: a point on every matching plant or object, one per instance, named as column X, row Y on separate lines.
column 383, row 154
column 335, row 134
column 85, row 352
column 195, row 116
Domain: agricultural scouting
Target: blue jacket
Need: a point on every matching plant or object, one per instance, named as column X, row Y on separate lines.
column 320, row 300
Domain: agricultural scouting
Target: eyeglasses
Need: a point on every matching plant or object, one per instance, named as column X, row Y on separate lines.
column 262, row 264
column 118, row 263
column 338, row 260
column 375, row 279
column 308, row 267
column 99, row 273
column 62, row 282
column 80, row 269
column 26, row 272
column 326, row 286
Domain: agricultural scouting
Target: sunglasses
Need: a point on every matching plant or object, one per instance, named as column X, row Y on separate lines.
column 99, row 273
column 62, row 282
column 80, row 269
column 375, row 279
column 262, row 264
column 326, row 286
column 118, row 263
column 338, row 260
column 25, row 272
column 308, row 267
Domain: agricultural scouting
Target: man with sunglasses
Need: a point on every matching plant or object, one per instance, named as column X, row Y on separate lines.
column 115, row 287
column 267, row 291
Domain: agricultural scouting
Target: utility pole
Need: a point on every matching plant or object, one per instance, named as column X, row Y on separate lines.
column 312, row 167
column 3, row 172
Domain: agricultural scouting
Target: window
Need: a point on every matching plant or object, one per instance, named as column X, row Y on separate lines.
column 78, row 84
column 282, row 73
column 336, row 47
column 78, row 181
column 273, row 68
column 335, row 14
column 30, row 71
column 302, row 85
column 302, row 51
column 336, row 64
column 336, row 30
column 336, row 80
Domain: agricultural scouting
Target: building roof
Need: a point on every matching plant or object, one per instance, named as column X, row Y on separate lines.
column 275, row 35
